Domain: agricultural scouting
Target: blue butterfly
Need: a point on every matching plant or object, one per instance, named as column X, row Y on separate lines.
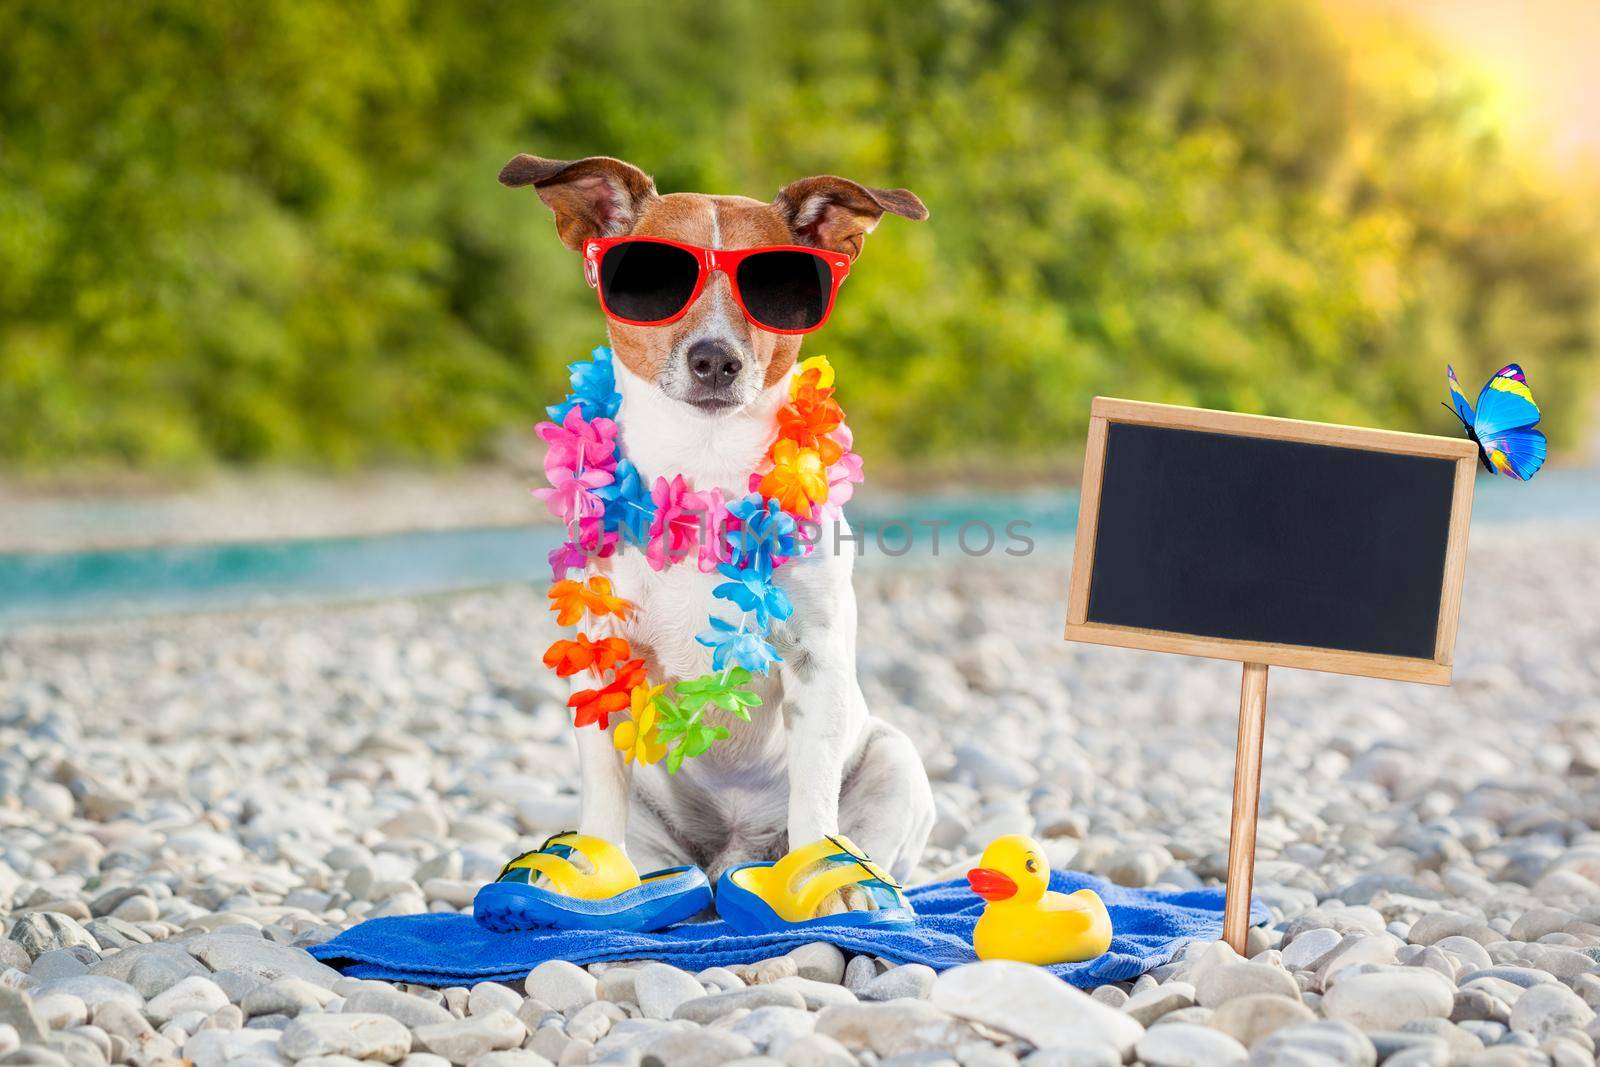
column 1502, row 428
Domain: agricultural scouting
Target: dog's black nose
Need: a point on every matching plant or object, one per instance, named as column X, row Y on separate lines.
column 713, row 363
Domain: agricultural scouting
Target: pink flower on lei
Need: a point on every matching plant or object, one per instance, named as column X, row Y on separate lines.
column 577, row 445
column 686, row 522
column 846, row 474
column 571, row 497
column 594, row 541
column 594, row 538
column 582, row 456
column 713, row 547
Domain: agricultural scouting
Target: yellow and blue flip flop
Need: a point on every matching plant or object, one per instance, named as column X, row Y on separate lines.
column 606, row 893
column 761, row 898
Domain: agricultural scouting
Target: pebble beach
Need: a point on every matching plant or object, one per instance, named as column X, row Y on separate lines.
column 187, row 803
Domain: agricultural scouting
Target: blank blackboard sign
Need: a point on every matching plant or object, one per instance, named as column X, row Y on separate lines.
column 1255, row 539
column 1271, row 541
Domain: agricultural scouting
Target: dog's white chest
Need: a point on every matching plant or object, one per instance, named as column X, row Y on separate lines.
column 672, row 606
column 665, row 440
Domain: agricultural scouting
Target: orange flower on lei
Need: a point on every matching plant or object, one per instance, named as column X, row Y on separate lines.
column 798, row 480
column 591, row 706
column 569, row 599
column 567, row 658
column 809, row 420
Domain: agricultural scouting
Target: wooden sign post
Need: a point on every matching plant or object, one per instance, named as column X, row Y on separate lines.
column 1275, row 543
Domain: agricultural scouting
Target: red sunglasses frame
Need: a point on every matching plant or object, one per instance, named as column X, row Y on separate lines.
column 711, row 260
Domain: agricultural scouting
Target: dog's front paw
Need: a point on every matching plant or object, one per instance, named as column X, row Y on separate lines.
column 850, row 898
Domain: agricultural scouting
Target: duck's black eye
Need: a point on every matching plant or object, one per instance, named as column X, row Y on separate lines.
column 1032, row 865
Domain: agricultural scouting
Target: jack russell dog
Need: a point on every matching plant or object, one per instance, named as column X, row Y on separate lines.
column 700, row 396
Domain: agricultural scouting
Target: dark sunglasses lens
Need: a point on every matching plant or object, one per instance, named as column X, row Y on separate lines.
column 786, row 290
column 647, row 282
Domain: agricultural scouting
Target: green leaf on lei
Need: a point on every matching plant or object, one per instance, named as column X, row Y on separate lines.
column 680, row 726
column 726, row 691
column 697, row 740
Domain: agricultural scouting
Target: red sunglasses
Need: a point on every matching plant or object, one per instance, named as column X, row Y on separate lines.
column 650, row 281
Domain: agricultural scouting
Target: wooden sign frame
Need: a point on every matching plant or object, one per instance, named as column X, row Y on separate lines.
column 1258, row 655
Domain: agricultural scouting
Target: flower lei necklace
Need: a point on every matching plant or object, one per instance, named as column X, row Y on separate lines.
column 599, row 496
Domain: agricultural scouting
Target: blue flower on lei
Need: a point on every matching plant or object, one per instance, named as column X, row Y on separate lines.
column 752, row 589
column 734, row 645
column 766, row 532
column 594, row 389
column 629, row 508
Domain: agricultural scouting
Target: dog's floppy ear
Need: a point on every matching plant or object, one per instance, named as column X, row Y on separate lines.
column 593, row 197
column 837, row 213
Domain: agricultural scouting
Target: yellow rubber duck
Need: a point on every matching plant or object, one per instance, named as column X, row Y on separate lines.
column 1023, row 920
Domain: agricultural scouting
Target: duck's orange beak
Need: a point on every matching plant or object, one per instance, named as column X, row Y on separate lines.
column 990, row 884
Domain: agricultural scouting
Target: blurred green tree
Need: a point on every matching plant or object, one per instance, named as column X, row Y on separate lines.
column 270, row 232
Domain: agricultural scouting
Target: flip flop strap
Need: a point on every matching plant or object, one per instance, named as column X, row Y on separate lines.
column 796, row 900
column 612, row 872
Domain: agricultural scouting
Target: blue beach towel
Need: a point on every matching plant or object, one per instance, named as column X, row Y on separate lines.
column 1149, row 927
